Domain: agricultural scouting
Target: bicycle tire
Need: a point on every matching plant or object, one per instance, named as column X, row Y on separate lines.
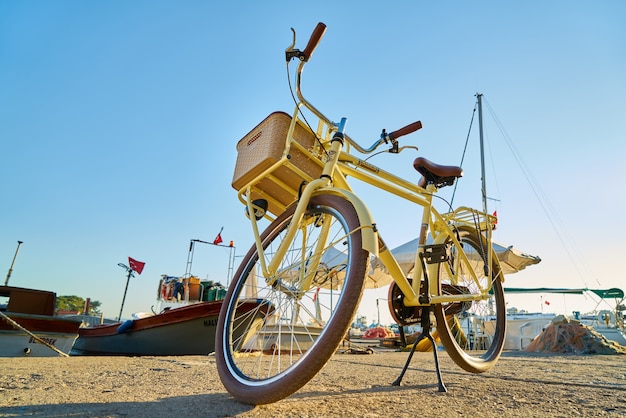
column 273, row 358
column 473, row 333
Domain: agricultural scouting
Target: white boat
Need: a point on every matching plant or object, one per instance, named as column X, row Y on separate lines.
column 29, row 327
column 283, row 337
column 606, row 323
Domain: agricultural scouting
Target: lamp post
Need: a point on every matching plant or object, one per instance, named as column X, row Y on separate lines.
column 130, row 274
column 6, row 282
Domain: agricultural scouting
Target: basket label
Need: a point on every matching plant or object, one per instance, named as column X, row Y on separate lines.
column 254, row 138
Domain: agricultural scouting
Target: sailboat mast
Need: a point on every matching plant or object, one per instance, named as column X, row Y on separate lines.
column 482, row 151
column 488, row 227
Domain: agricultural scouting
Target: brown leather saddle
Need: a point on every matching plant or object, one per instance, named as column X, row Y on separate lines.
column 438, row 175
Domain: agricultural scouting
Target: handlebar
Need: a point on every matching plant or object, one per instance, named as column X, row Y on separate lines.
column 406, row 130
column 304, row 56
column 393, row 137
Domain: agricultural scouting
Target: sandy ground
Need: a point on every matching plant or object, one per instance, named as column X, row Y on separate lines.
column 350, row 385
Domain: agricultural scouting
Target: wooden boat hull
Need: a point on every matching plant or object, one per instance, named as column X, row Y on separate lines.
column 188, row 330
column 58, row 332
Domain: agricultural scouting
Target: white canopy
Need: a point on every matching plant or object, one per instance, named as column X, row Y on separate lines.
column 511, row 261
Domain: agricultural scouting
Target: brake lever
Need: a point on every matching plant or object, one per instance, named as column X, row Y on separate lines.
column 407, row 147
column 394, row 143
column 291, row 52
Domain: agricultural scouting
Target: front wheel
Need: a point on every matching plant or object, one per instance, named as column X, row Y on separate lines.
column 473, row 333
column 275, row 333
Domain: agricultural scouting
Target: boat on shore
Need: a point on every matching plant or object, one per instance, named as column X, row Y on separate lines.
column 29, row 326
column 184, row 325
column 188, row 330
column 605, row 322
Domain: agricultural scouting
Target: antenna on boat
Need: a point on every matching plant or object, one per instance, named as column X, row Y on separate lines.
column 6, row 282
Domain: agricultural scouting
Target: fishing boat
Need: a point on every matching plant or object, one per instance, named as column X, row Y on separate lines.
column 184, row 325
column 29, row 326
column 188, row 330
column 183, row 321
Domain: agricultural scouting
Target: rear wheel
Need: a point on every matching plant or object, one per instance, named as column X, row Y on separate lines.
column 267, row 353
column 472, row 333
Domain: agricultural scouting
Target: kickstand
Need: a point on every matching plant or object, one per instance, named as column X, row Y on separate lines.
column 425, row 334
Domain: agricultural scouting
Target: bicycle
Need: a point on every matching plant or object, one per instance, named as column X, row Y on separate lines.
column 308, row 269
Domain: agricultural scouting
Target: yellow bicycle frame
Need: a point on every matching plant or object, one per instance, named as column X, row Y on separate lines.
column 338, row 164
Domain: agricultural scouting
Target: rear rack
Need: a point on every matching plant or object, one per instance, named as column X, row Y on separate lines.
column 466, row 216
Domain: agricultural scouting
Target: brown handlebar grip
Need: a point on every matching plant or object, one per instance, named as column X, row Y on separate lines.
column 314, row 40
column 406, row 130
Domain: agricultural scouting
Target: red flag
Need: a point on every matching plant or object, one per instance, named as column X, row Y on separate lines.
column 547, row 303
column 136, row 265
column 218, row 238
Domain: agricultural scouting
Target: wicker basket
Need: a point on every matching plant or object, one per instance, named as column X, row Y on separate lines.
column 263, row 148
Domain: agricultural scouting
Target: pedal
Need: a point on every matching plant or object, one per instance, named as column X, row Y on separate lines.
column 436, row 253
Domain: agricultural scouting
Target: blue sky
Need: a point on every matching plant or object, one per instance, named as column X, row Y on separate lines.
column 119, row 121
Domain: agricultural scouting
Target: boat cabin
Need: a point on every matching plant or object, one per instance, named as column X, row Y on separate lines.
column 27, row 301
